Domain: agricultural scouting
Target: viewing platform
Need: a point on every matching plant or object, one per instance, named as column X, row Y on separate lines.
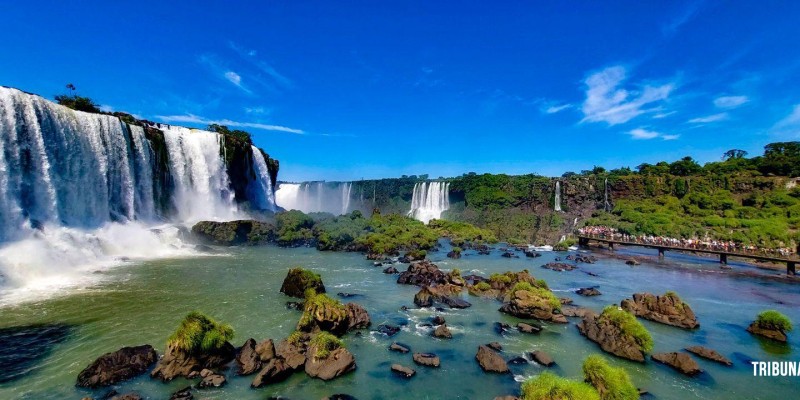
column 791, row 262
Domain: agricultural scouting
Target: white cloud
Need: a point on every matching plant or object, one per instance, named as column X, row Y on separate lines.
column 644, row 134
column 194, row 119
column 730, row 101
column 709, row 118
column 607, row 102
column 234, row 78
column 556, row 109
column 788, row 126
column 664, row 114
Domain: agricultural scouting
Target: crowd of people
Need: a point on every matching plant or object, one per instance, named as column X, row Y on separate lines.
column 606, row 232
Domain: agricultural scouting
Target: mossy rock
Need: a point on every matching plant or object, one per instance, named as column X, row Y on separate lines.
column 298, row 280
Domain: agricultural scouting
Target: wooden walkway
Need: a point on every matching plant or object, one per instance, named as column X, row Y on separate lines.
column 791, row 263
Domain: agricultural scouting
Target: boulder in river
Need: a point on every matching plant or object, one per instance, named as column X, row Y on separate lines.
column 178, row 362
column 399, row 348
column 771, row 324
column 528, row 328
column 337, row 363
column 490, row 361
column 402, row 371
column 709, row 354
column 442, row 332
column 558, row 266
column 252, row 356
column 681, row 362
column 183, row 394
column 427, row 359
column 274, row 371
column 588, row 291
column 667, row 309
column 211, row 379
column 612, row 331
column 388, row 330
column 422, row 273
column 123, row 364
column 534, row 302
column 438, row 320
column 423, row 298
column 542, row 358
column 298, row 280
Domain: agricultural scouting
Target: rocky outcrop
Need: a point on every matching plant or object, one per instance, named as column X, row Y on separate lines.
column 427, row 359
column 588, row 291
column 681, row 362
column 402, row 371
column 422, row 273
column 276, row 370
column 709, row 354
column 556, row 266
column 335, row 364
column 442, row 332
column 438, row 320
column 576, row 311
column 252, row 356
column 528, row 328
column 454, row 254
column 211, row 379
column 542, row 358
column 399, row 348
column 388, row 330
column 183, row 394
column 177, row 362
column 289, row 357
column 123, row 364
column 495, row 346
column 667, row 309
column 769, row 333
column 527, row 304
column 357, row 317
column 298, row 280
column 232, row 233
column 390, row 270
column 424, row 298
column 611, row 338
column 490, row 361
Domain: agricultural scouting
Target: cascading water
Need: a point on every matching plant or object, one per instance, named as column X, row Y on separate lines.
column 333, row 197
column 558, row 196
column 260, row 190
column 606, row 204
column 429, row 200
column 79, row 193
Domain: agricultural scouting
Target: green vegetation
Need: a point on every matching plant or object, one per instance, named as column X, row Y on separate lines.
column 228, row 133
column 564, row 245
column 500, row 278
column 629, row 325
column 548, row 386
column 774, row 320
column 293, row 228
column 325, row 343
column 611, row 383
column 199, row 333
column 539, row 292
column 79, row 103
column 317, row 303
column 481, row 286
column 295, row 337
column 461, row 233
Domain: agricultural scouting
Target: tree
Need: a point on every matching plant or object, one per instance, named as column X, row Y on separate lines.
column 236, row 133
column 734, row 154
column 76, row 102
column 684, row 167
column 781, row 158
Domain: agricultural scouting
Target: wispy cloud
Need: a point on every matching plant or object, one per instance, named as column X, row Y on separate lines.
column 261, row 65
column 709, row 118
column 607, row 102
column 685, row 16
column 664, row 114
column 644, row 134
column 729, row 102
column 789, row 126
column 225, row 73
column 194, row 119
column 234, row 78
column 557, row 108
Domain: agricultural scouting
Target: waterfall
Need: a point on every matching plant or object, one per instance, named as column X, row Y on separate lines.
column 329, row 197
column 429, row 200
column 81, row 192
column 260, row 190
column 558, row 196
column 606, row 204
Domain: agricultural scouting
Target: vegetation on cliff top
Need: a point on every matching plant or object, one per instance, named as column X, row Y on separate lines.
column 199, row 333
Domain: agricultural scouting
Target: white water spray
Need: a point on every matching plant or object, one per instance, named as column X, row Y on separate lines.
column 558, row 196
column 429, row 200
column 333, row 197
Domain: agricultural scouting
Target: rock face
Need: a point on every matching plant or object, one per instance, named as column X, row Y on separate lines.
column 390, row 270
column 543, row 358
column 336, row 364
column 276, row 370
column 667, row 309
column 575, row 311
column 402, row 371
column 388, row 330
column 709, row 354
column 526, row 304
column 357, row 317
column 423, row 298
column 438, row 320
column 610, row 338
column 183, row 394
column 177, row 362
column 681, row 362
column 774, row 334
column 298, row 280
column 422, row 273
column 427, row 359
column 491, row 361
column 455, row 302
column 231, row 233
column 589, row 291
column 288, row 357
column 454, row 254
column 442, row 332
column 252, row 357
column 556, row 266
column 118, row 366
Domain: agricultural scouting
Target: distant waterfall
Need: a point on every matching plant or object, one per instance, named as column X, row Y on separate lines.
column 81, row 191
column 429, row 200
column 558, row 196
column 329, row 197
column 260, row 190
column 606, row 204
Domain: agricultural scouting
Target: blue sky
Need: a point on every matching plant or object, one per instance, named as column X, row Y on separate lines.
column 349, row 90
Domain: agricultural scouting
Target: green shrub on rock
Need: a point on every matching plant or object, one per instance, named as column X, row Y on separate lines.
column 549, row 386
column 611, row 383
column 774, row 320
column 540, row 292
column 324, row 343
column 199, row 333
column 629, row 325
